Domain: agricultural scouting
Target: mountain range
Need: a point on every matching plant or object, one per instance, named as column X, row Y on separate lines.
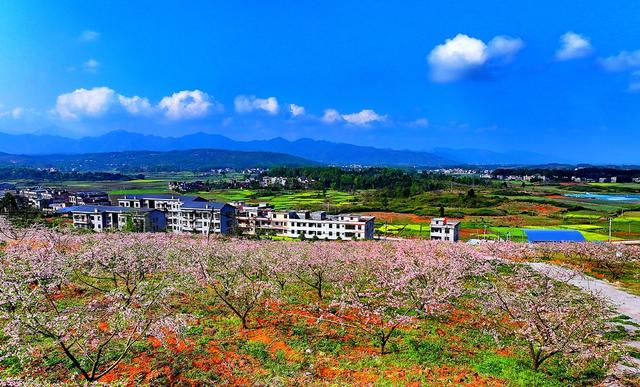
column 319, row 151
column 154, row 161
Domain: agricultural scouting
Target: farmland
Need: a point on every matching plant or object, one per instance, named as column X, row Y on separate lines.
column 496, row 210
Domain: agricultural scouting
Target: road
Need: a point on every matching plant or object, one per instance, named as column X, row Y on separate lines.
column 625, row 303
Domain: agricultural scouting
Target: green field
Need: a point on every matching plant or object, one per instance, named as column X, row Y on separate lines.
column 311, row 200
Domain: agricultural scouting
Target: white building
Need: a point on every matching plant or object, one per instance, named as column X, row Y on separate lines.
column 102, row 218
column 187, row 213
column 262, row 218
column 445, row 230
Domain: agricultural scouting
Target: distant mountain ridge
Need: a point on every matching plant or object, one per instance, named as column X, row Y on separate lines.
column 155, row 161
column 325, row 152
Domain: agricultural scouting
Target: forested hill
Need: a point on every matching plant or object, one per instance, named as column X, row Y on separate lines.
column 149, row 161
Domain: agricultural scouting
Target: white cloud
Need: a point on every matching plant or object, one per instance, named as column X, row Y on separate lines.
column 573, row 46
column 82, row 102
column 364, row 117
column 504, row 47
column 624, row 61
column 419, row 123
column 187, row 104
column 634, row 86
column 247, row 104
column 14, row 113
column 296, row 110
column 89, row 36
column 135, row 104
column 331, row 115
column 361, row 118
column 91, row 65
column 458, row 57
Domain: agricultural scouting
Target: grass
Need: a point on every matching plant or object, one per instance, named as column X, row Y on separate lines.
column 137, row 191
column 403, row 230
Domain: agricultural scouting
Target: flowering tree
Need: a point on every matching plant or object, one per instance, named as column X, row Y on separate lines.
column 616, row 259
column 238, row 274
column 93, row 300
column 435, row 273
column 314, row 264
column 9, row 232
column 550, row 316
column 370, row 298
column 282, row 260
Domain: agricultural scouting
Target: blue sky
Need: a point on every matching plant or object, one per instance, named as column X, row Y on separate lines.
column 555, row 77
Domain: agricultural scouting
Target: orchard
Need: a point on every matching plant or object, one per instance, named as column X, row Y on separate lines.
column 135, row 308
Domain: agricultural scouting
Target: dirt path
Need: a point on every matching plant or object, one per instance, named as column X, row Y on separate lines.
column 625, row 303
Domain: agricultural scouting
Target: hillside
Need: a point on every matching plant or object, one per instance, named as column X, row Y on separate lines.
column 141, row 161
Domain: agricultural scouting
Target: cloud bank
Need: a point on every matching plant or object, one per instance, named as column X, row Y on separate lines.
column 99, row 101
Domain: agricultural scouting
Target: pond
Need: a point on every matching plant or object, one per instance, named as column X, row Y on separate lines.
column 607, row 197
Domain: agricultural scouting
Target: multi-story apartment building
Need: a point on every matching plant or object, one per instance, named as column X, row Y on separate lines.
column 89, row 198
column 443, row 229
column 103, row 218
column 262, row 218
column 51, row 199
column 252, row 219
column 38, row 197
column 187, row 213
column 297, row 224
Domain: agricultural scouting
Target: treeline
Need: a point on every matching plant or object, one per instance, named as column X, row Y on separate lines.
column 53, row 175
column 623, row 175
column 399, row 182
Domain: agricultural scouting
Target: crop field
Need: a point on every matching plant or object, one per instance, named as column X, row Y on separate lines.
column 310, row 200
column 160, row 309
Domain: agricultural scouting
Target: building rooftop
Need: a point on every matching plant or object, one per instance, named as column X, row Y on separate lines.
column 100, row 209
column 445, row 221
column 535, row 235
column 184, row 198
column 202, row 205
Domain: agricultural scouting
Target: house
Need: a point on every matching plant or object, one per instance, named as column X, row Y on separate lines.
column 443, row 229
column 186, row 213
column 104, row 218
column 89, row 198
column 252, row 219
column 262, row 218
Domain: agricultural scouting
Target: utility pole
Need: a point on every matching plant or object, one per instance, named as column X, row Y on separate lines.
column 609, row 230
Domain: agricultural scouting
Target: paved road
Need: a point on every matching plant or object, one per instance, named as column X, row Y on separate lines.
column 625, row 303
